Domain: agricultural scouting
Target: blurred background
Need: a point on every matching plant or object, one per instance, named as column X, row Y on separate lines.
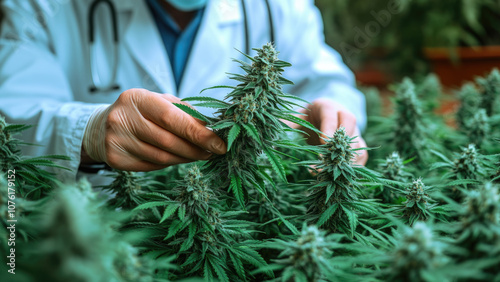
column 384, row 40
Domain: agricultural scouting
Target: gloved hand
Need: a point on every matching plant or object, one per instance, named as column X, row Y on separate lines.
column 144, row 131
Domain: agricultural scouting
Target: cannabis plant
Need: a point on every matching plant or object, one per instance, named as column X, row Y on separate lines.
column 205, row 240
column 393, row 169
column 429, row 91
column 480, row 221
column 249, row 120
column 478, row 128
column 470, row 102
column 464, row 171
column 418, row 206
column 31, row 181
column 77, row 240
column 336, row 200
column 409, row 135
column 310, row 257
column 417, row 256
column 490, row 90
column 128, row 189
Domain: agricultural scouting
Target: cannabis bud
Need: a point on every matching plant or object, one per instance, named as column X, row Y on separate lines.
column 409, row 134
column 333, row 201
column 490, row 92
column 478, row 128
column 416, row 253
column 126, row 186
column 307, row 258
column 417, row 204
column 470, row 102
column 393, row 167
column 466, row 166
column 479, row 235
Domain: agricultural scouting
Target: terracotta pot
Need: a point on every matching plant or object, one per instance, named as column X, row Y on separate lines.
column 472, row 62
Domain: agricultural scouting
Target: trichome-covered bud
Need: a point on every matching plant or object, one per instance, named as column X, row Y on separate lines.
column 482, row 206
column 339, row 149
column 467, row 166
column 417, row 204
column 416, row 254
column 409, row 133
column 478, row 128
column 393, row 167
column 469, row 105
column 490, row 90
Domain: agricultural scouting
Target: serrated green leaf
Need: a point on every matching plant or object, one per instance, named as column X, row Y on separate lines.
column 206, row 98
column 221, row 273
column 276, row 164
column 149, row 205
column 326, row 215
column 169, row 211
column 192, row 112
column 252, row 132
column 300, row 122
column 174, row 228
column 214, row 105
column 233, row 134
column 237, row 189
column 352, row 217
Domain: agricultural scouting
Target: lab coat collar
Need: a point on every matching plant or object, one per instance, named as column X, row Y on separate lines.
column 210, row 42
column 146, row 46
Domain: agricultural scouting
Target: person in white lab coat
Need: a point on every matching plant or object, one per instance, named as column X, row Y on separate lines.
column 46, row 75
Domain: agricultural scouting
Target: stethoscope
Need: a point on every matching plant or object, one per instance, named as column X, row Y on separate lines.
column 99, row 85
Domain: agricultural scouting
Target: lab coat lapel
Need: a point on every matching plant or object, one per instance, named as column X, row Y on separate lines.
column 145, row 44
column 213, row 40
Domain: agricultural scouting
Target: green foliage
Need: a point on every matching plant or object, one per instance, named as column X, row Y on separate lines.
column 237, row 217
column 250, row 123
column 410, row 130
column 429, row 91
column 418, row 206
column 417, row 256
column 478, row 128
column 465, row 171
column 336, row 200
column 31, row 181
column 392, row 169
column 480, row 222
column 77, row 240
column 470, row 101
column 490, row 90
column 309, row 258
column 205, row 240
column 127, row 189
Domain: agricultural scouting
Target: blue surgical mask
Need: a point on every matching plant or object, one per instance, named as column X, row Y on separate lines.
column 188, row 5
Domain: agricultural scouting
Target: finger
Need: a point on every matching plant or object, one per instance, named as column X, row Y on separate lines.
column 173, row 119
column 146, row 152
column 348, row 121
column 160, row 138
column 125, row 161
column 329, row 123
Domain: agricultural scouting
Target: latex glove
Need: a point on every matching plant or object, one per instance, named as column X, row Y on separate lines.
column 327, row 116
column 144, row 131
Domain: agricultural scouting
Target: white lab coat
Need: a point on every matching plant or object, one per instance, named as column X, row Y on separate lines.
column 45, row 72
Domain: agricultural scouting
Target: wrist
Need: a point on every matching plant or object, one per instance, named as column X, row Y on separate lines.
column 93, row 145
